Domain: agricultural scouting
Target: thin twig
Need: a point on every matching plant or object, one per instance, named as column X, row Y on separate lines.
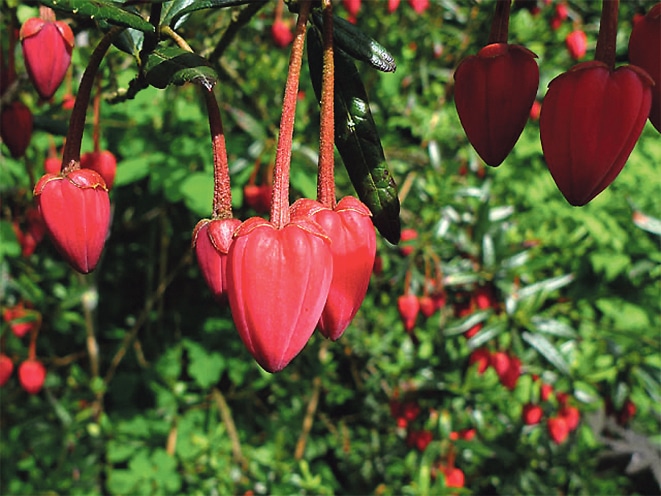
column 226, row 415
column 309, row 418
column 130, row 336
column 237, row 23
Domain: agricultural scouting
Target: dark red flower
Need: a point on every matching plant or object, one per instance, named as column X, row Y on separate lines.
column 6, row 369
column 645, row 52
column 590, row 122
column 532, row 414
column 577, row 44
column 16, row 128
column 494, row 91
column 103, row 162
column 557, row 429
column 408, row 307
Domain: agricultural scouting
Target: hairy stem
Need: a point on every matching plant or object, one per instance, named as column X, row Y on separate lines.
column 280, row 201
column 326, row 175
column 222, row 192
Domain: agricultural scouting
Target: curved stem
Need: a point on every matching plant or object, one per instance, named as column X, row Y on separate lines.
column 280, row 200
column 96, row 133
column 71, row 154
column 500, row 23
column 326, row 175
column 605, row 51
column 222, row 192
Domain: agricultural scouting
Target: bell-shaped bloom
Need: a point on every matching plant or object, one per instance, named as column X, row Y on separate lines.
column 6, row 369
column 557, row 429
column 76, row 212
column 577, row 44
column 211, row 242
column 16, row 128
column 493, row 92
column 47, row 47
column 258, row 197
column 408, row 306
column 645, row 52
column 31, row 375
column 278, row 282
column 103, row 162
column 353, row 245
column 591, row 119
column 281, row 33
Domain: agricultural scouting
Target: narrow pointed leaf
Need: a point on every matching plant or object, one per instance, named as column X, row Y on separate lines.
column 99, row 10
column 172, row 9
column 207, row 4
column 547, row 350
column 172, row 65
column 357, row 44
column 357, row 139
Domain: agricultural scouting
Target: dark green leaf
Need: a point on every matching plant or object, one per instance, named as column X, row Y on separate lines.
column 101, row 11
column 172, row 65
column 357, row 139
column 354, row 42
column 207, row 4
column 171, row 9
column 130, row 41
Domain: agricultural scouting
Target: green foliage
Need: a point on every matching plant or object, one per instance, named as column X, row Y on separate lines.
column 178, row 406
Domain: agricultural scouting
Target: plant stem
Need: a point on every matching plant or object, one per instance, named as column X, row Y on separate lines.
column 96, row 133
column 605, row 51
column 326, row 175
column 280, row 200
column 222, row 192
column 500, row 23
column 71, row 153
column 46, row 13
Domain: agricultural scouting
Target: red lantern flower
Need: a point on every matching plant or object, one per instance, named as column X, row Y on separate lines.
column 103, row 162
column 353, row 245
column 557, row 429
column 31, row 375
column 408, row 306
column 281, row 33
column 532, row 414
column 577, row 44
column 494, row 91
column 590, row 121
column 6, row 369
column 16, row 128
column 645, row 52
column 47, row 47
column 482, row 358
column 76, row 212
column 211, row 242
column 278, row 282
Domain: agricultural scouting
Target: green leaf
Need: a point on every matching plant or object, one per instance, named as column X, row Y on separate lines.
column 130, row 41
column 99, row 10
column 357, row 139
column 547, row 350
column 171, row 9
column 173, row 65
column 205, row 367
column 208, row 4
column 553, row 327
column 470, row 321
column 197, row 190
column 625, row 316
column 354, row 42
column 546, row 285
column 134, row 169
column 9, row 246
column 610, row 265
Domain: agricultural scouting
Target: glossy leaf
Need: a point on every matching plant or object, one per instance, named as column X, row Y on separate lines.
column 101, row 11
column 172, row 9
column 172, row 65
column 207, row 4
column 357, row 139
column 357, row 44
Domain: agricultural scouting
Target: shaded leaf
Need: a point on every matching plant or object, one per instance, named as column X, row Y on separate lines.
column 171, row 9
column 99, row 10
column 173, row 65
column 207, row 4
column 354, row 42
column 357, row 139
column 553, row 327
